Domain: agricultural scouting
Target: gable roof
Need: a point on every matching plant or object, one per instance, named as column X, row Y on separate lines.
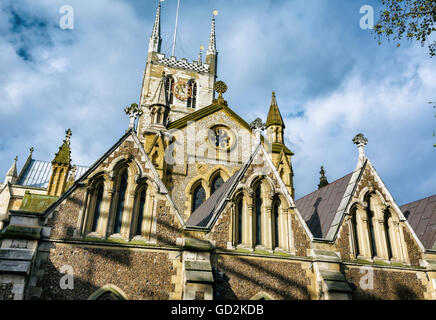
column 319, row 208
column 129, row 133
column 203, row 214
column 206, row 215
column 421, row 215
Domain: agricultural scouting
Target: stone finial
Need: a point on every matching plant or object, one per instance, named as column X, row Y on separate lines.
column 134, row 111
column 31, row 151
column 220, row 87
column 360, row 139
column 323, row 179
column 257, row 126
column 200, row 55
column 361, row 142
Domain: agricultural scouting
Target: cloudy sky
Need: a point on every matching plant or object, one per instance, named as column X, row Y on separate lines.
column 331, row 78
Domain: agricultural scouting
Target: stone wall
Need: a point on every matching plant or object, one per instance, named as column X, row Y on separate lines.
column 168, row 229
column 301, row 240
column 184, row 174
column 343, row 242
column 220, row 233
column 242, row 277
column 413, row 250
column 64, row 220
column 388, row 284
column 139, row 273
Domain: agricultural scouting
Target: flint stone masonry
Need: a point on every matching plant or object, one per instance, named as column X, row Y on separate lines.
column 140, row 274
column 238, row 277
column 388, row 284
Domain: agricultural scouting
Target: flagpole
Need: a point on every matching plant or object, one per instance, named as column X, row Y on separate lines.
column 175, row 29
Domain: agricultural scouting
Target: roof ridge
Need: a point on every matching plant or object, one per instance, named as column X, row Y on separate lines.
column 408, row 203
column 331, row 183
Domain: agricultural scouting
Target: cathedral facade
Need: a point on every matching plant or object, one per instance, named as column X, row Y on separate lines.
column 194, row 203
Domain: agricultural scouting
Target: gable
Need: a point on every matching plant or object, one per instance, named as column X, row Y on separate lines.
column 258, row 164
column 127, row 146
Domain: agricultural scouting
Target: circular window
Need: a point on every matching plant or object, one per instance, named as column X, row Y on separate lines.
column 221, row 137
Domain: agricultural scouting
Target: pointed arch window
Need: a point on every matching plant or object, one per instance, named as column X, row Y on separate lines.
column 275, row 214
column 199, row 196
column 387, row 216
column 238, row 220
column 258, row 215
column 354, row 230
column 169, row 86
column 98, row 205
column 142, row 208
column 192, row 100
column 121, row 202
column 372, row 243
column 216, row 184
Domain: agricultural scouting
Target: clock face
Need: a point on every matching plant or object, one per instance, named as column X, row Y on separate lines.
column 182, row 91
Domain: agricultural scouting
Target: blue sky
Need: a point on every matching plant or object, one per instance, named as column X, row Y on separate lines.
column 331, row 78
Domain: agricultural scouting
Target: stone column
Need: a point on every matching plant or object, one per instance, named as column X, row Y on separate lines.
column 267, row 230
column 106, row 224
column 130, row 215
column 247, row 221
column 379, row 230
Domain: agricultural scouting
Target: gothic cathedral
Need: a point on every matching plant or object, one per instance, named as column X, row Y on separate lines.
column 194, row 203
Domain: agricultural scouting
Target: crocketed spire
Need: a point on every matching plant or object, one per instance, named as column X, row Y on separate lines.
column 63, row 157
column 155, row 39
column 274, row 116
column 211, row 50
column 11, row 175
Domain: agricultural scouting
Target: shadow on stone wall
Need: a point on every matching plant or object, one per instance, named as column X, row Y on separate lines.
column 242, row 278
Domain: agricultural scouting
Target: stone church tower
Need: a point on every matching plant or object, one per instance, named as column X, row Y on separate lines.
column 188, row 86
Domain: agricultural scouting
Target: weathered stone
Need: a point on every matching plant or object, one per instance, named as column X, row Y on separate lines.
column 16, row 254
column 199, row 276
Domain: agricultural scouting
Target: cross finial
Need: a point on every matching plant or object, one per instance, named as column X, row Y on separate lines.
column 16, row 158
column 31, row 151
column 134, row 111
column 257, row 126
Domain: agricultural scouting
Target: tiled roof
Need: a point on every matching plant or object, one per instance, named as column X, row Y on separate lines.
column 319, row 208
column 37, row 174
column 421, row 215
